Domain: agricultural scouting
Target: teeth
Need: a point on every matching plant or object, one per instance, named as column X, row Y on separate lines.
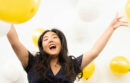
column 52, row 46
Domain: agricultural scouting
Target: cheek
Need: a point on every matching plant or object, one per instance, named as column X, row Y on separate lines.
column 44, row 45
column 59, row 43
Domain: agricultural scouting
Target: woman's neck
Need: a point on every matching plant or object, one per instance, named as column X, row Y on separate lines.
column 54, row 60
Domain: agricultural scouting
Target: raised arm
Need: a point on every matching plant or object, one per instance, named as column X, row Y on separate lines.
column 102, row 41
column 17, row 46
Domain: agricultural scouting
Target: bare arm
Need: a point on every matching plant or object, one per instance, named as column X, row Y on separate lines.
column 17, row 46
column 102, row 41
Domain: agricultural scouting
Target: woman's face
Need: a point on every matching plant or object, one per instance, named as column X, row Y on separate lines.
column 51, row 44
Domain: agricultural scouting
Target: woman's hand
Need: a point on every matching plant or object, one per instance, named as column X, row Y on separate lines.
column 118, row 21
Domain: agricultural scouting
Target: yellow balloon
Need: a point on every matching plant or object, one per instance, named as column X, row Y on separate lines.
column 88, row 71
column 18, row 11
column 120, row 65
column 127, row 9
column 36, row 34
column 129, row 65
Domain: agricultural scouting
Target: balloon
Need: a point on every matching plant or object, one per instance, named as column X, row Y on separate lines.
column 89, row 10
column 18, row 11
column 36, row 34
column 127, row 9
column 12, row 67
column 88, row 71
column 4, row 28
column 119, row 65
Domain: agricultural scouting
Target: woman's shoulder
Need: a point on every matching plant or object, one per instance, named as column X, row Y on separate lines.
column 34, row 57
column 76, row 58
column 77, row 61
column 37, row 56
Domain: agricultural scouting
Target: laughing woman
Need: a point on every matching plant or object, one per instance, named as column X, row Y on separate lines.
column 52, row 63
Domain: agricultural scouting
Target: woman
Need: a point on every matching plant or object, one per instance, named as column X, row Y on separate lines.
column 52, row 63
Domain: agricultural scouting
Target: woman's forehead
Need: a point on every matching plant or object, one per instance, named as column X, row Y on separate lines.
column 50, row 34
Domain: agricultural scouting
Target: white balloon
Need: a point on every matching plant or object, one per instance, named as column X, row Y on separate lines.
column 11, row 72
column 89, row 10
column 4, row 28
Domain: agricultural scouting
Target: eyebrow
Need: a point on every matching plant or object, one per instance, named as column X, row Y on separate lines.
column 45, row 37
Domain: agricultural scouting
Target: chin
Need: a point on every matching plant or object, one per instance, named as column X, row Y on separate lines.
column 53, row 54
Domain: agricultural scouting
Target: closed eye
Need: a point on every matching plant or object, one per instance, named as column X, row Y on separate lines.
column 54, row 37
column 45, row 39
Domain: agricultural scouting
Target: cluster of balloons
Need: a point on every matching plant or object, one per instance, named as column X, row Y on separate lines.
column 36, row 34
column 120, row 65
column 16, row 12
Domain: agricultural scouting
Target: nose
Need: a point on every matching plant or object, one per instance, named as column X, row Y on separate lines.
column 50, row 40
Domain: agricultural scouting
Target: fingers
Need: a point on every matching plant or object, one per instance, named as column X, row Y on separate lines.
column 117, row 15
column 119, row 18
column 122, row 23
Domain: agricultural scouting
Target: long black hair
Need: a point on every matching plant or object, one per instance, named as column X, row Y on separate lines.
column 68, row 63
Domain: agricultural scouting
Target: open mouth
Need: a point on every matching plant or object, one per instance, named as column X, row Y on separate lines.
column 52, row 47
